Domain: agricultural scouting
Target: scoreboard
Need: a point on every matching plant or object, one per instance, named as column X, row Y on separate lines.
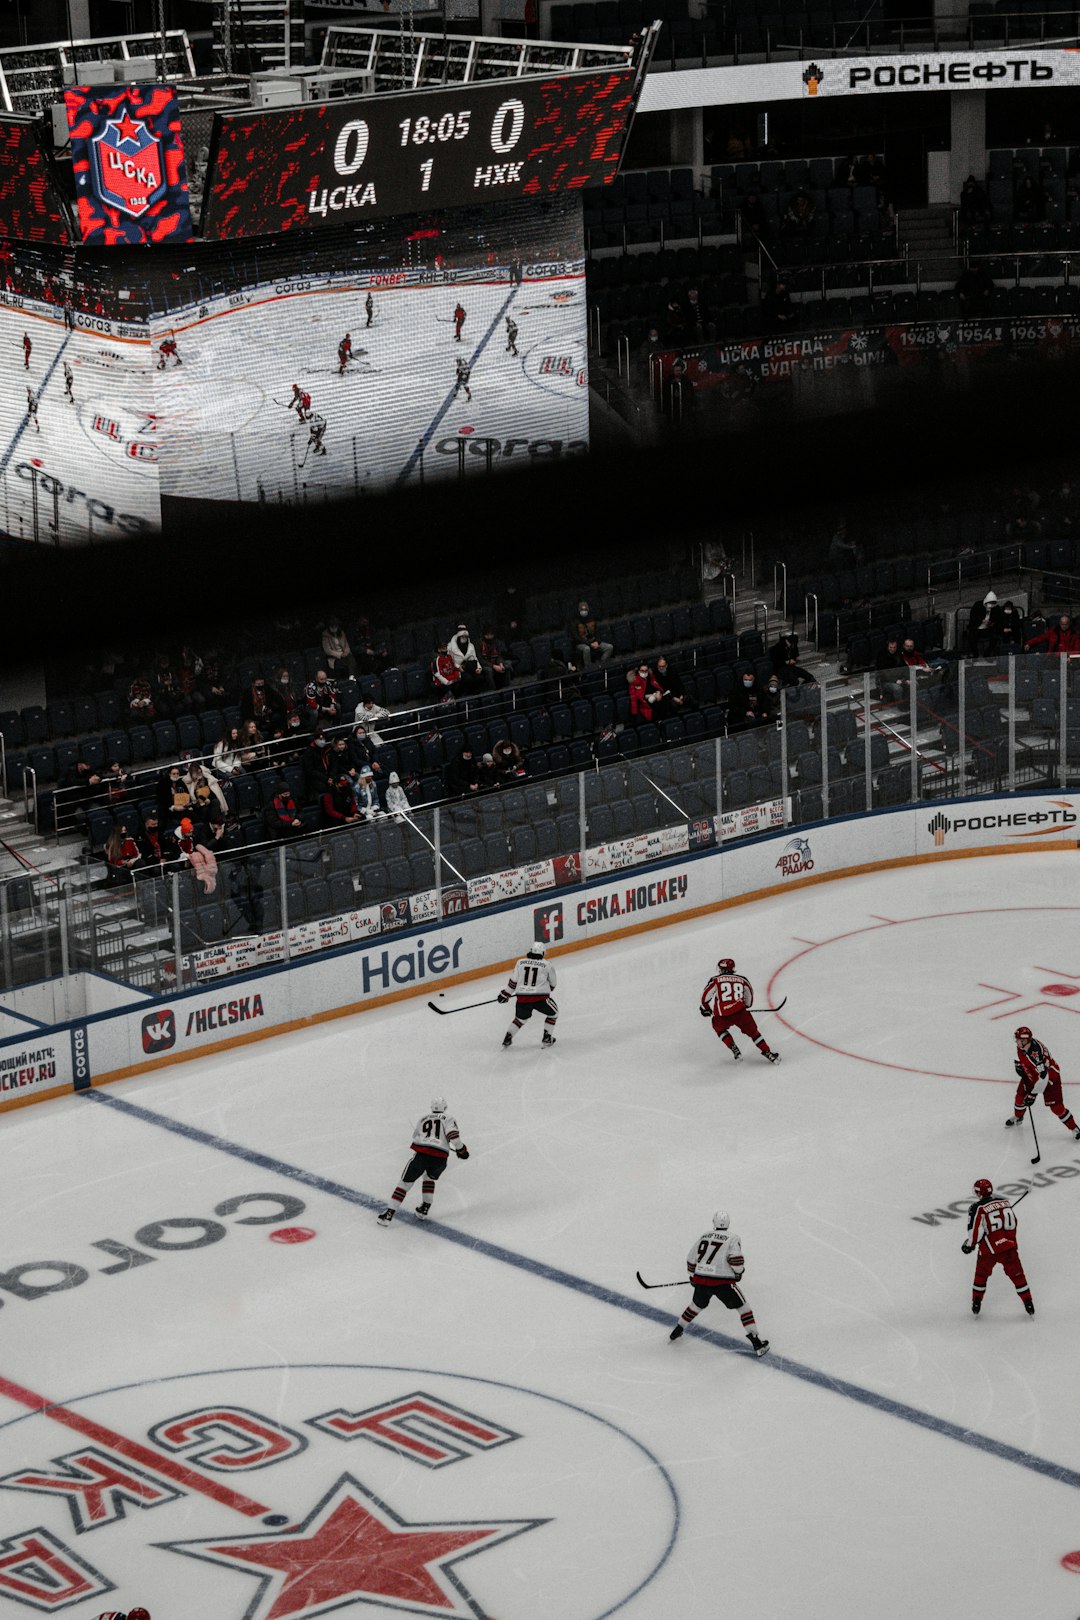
column 31, row 208
column 344, row 161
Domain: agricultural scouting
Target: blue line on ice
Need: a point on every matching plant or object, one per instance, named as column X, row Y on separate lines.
column 608, row 1296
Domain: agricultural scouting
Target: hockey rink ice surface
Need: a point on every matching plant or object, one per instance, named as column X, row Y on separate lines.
column 483, row 1416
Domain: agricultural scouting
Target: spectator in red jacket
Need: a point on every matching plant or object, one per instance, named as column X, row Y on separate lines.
column 645, row 693
column 445, row 675
column 1062, row 637
column 337, row 805
column 282, row 816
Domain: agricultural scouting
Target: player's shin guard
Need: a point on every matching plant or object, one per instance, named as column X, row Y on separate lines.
column 398, row 1195
column 749, row 1325
column 428, row 1190
column 688, row 1315
column 729, row 1042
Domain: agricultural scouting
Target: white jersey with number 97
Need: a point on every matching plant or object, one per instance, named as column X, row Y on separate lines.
column 717, row 1255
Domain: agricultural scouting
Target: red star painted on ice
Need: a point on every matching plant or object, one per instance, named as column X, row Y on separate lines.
column 127, row 128
column 352, row 1548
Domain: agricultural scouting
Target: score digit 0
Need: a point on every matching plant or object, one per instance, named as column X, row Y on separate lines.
column 355, row 130
column 502, row 142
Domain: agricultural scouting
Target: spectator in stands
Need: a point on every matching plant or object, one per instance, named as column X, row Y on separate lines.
column 737, row 148
column 587, row 639
column 1061, row 637
column 116, row 783
column 205, row 792
column 121, row 853
column 337, row 805
column 753, row 216
column 222, row 832
column 843, row 551
column 645, row 694
column 673, row 702
column 212, row 682
column 1012, row 628
column 362, row 750
column 342, row 762
column 695, row 317
column 264, row 706
column 322, row 699
column 974, row 289
column 336, row 649
column 652, row 344
column 370, row 654
column 675, row 323
column 151, row 848
column 487, row 774
column 784, row 657
column 173, row 796
column 188, row 680
column 466, row 660
column 888, row 664
column 778, row 309
column 510, row 615
column 397, row 803
column 461, row 775
column 253, row 750
column 168, row 702
column 877, row 177
column 562, row 670
column 282, row 815
column 1029, row 201
column 317, row 761
column 180, row 841
column 368, row 714
column 984, row 628
column 445, row 675
column 799, row 215
column 745, row 708
column 85, row 786
column 292, row 701
column 974, row 205
column 771, row 704
column 681, row 396
column 507, row 759
column 141, row 700
column 1023, row 527
column 366, row 794
column 227, row 761
column 498, row 667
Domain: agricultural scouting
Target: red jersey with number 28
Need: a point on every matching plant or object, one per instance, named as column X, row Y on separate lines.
column 727, row 993
column 995, row 1226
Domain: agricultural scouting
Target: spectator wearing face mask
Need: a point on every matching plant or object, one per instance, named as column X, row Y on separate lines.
column 645, row 694
column 292, row 701
column 745, row 707
column 265, row 706
column 467, row 660
column 587, row 637
column 336, row 649
column 368, row 714
column 674, row 700
column 784, row 656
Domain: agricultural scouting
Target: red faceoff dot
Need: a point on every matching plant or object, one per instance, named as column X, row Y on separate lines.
column 1060, row 990
column 292, row 1234
column 1071, row 1561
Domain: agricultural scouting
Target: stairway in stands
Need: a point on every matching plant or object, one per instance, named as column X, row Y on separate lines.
column 927, row 233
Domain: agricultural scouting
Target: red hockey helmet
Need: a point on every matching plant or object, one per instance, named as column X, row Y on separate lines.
column 138, row 1614
column 1023, row 1033
column 983, row 1188
column 726, row 965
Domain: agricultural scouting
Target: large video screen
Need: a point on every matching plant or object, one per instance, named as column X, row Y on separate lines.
column 283, row 169
column 127, row 154
column 30, row 206
column 444, row 346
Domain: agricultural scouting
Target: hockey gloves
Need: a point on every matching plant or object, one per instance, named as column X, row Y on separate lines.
column 503, row 996
column 704, row 1011
column 463, row 1153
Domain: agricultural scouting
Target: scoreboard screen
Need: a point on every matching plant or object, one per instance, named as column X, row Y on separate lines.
column 127, row 153
column 31, row 208
column 348, row 161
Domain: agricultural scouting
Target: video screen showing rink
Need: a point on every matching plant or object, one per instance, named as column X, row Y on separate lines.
column 340, row 364
column 226, row 1389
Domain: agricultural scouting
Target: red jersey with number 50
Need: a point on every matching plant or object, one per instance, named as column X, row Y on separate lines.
column 727, row 993
column 995, row 1226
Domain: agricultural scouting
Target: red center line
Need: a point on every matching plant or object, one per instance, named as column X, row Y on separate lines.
column 156, row 1461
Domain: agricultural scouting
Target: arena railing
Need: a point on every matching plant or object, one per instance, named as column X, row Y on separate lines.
column 895, row 737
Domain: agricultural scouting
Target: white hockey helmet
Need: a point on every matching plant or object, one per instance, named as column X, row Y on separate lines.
column 537, row 948
column 438, row 1105
column 721, row 1220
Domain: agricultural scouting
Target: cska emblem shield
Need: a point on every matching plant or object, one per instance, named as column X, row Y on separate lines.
column 128, row 167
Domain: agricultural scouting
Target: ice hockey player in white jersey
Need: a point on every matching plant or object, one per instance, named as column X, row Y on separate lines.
column 436, row 1136
column 716, row 1264
column 531, row 984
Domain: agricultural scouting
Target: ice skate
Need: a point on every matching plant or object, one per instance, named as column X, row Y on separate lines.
column 549, row 1039
column 676, row 1332
column 386, row 1217
column 771, row 1057
column 760, row 1346
column 423, row 1211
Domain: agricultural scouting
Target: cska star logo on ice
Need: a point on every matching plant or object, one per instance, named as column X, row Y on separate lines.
column 249, row 1495
column 795, row 857
column 127, row 166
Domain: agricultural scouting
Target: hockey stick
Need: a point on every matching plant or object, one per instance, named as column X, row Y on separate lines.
column 1038, row 1150
column 777, row 1008
column 684, row 1282
column 467, row 1008
column 1020, row 1200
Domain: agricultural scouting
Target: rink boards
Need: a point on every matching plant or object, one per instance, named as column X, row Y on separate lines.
column 398, row 963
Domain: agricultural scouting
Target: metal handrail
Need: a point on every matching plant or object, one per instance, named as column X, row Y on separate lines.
column 811, row 596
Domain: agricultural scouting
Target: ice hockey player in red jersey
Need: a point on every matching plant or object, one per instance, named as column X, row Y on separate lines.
column 27, row 346
column 716, row 1265
column 532, row 981
column 459, row 322
column 300, row 402
column 167, row 351
column 1037, row 1071
column 436, row 1136
column 992, row 1235
column 344, row 354
column 727, row 999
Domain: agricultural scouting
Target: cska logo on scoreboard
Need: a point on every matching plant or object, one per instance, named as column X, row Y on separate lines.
column 128, row 168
